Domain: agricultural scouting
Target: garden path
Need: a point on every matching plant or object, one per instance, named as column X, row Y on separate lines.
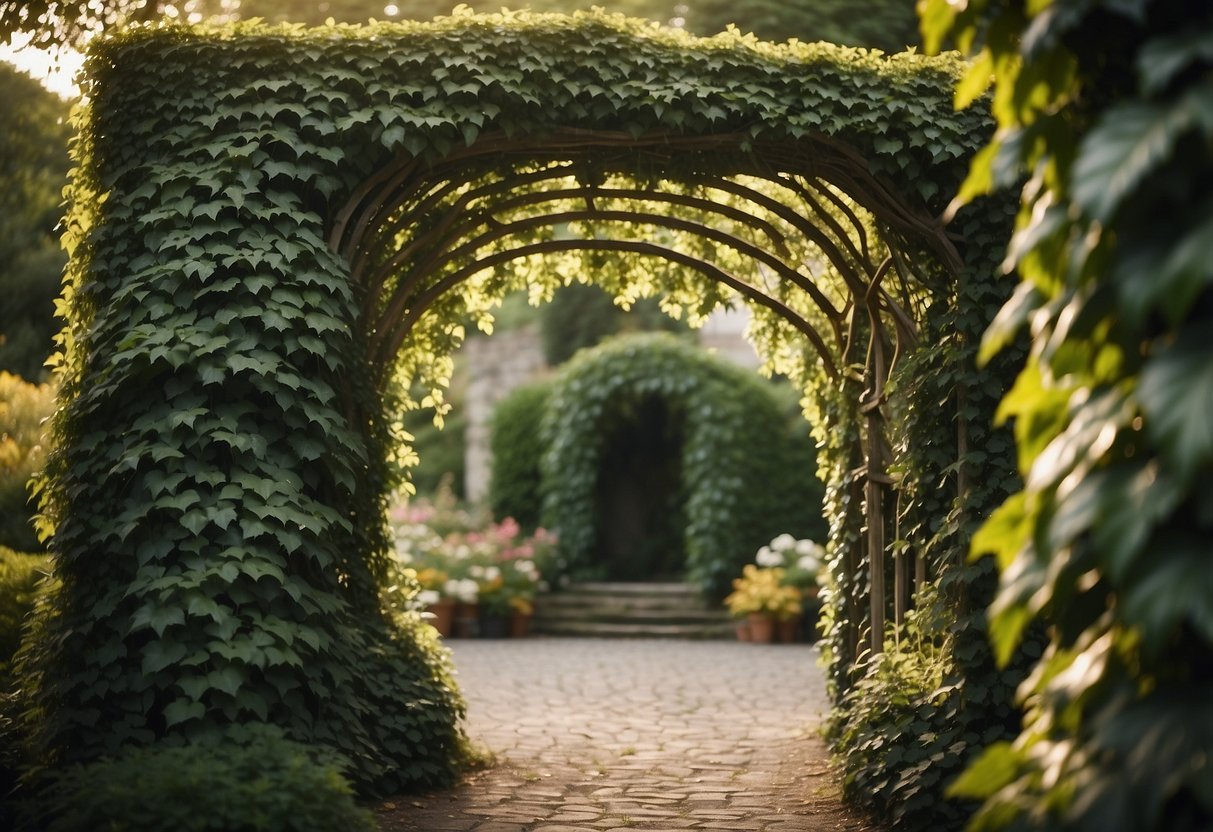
column 603, row 736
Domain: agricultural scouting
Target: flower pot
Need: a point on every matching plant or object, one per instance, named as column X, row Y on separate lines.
column 520, row 625
column 762, row 627
column 742, row 627
column 494, row 625
column 442, row 615
column 788, row 630
column 466, row 623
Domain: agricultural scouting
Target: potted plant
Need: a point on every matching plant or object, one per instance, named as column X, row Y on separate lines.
column 761, row 597
column 802, row 562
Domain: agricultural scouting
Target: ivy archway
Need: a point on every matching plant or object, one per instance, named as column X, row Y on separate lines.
column 724, row 474
column 276, row 233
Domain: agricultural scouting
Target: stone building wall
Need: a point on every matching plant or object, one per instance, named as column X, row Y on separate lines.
column 495, row 366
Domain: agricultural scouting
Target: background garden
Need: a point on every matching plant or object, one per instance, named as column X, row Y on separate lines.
column 1087, row 707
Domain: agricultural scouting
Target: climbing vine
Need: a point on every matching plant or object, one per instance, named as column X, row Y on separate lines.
column 1107, row 544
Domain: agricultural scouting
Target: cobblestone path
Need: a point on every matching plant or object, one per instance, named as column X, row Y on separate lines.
column 638, row 735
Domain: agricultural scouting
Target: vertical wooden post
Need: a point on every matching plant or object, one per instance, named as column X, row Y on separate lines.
column 875, row 517
column 901, row 578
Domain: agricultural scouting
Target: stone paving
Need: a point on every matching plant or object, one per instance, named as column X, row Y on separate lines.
column 606, row 736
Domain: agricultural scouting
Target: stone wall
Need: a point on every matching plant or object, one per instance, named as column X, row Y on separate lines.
column 495, row 366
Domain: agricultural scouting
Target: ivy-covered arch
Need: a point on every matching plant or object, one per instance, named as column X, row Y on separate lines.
column 276, row 233
column 724, row 475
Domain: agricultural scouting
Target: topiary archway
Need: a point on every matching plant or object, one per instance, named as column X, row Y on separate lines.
column 733, row 454
column 275, row 232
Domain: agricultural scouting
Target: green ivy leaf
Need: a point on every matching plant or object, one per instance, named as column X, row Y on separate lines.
column 1175, row 391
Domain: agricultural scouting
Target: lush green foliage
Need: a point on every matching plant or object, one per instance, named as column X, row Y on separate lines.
column 442, row 461
column 1108, row 542
column 248, row 781
column 517, row 446
column 19, row 576
column 885, row 24
column 233, row 379
column 744, row 480
column 902, row 741
column 33, row 171
column 581, row 315
column 23, row 408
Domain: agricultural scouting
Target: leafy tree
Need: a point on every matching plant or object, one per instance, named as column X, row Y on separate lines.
column 1107, row 107
column 885, row 24
column 33, row 170
column 582, row 315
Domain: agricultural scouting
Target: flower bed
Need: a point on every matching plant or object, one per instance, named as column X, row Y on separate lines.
column 470, row 574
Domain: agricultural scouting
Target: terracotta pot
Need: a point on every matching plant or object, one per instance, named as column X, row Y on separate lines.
column 762, row 627
column 520, row 625
column 467, row 621
column 742, row 628
column 789, row 630
column 442, row 615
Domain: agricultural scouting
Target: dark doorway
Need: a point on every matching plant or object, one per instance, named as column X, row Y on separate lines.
column 640, row 499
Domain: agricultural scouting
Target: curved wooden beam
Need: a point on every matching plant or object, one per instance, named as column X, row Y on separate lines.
column 392, row 344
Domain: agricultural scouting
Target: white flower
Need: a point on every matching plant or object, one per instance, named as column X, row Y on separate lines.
column 807, row 547
column 428, row 597
column 783, row 543
column 808, row 563
column 766, row 557
column 465, row 590
column 492, row 573
column 476, row 570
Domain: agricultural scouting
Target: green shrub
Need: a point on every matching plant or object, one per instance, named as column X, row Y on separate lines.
column 514, row 490
column 23, row 407
column 259, row 782
column 19, row 575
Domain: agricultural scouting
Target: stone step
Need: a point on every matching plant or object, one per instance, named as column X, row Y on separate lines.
column 569, row 601
column 630, row 610
column 662, row 588
column 591, row 629
column 607, row 612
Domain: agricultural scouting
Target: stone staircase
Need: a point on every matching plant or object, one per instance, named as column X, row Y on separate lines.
column 630, row 610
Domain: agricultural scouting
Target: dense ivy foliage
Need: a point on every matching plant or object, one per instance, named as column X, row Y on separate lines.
column 1107, row 544
column 251, row 308
column 745, row 477
column 907, row 722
